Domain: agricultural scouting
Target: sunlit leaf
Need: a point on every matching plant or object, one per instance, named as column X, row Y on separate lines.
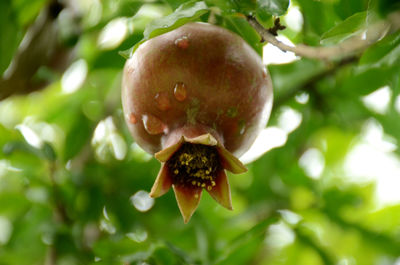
column 188, row 11
column 384, row 53
column 272, row 7
column 352, row 25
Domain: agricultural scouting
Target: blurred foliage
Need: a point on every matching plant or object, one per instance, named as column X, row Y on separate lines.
column 72, row 180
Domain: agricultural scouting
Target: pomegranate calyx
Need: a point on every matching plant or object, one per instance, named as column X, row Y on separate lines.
column 205, row 139
column 221, row 193
column 230, row 162
column 192, row 164
column 188, row 199
column 163, row 182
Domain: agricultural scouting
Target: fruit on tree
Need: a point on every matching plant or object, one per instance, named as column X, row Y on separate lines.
column 196, row 97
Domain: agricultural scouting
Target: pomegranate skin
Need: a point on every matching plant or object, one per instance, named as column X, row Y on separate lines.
column 196, row 79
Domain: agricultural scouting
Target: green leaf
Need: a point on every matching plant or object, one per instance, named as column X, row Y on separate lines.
column 46, row 151
column 386, row 220
column 349, row 27
column 175, row 3
column 245, row 6
column 8, row 32
column 234, row 6
column 242, row 27
column 364, row 81
column 28, row 10
column 387, row 6
column 226, row 7
column 291, row 76
column 272, row 7
column 265, row 19
column 78, row 136
column 127, row 53
column 183, row 256
column 12, row 204
column 127, row 8
column 378, row 65
column 185, row 13
column 255, row 233
column 318, row 18
column 384, row 53
column 346, row 8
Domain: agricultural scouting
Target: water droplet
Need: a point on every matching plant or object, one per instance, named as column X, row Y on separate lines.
column 162, row 101
column 242, row 127
column 154, row 125
column 180, row 92
column 132, row 118
column 302, row 98
column 182, row 43
column 264, row 74
column 142, row 201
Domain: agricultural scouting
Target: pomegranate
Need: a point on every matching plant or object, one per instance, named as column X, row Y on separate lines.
column 196, row 98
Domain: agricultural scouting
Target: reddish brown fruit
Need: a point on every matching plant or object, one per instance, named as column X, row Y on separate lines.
column 200, row 95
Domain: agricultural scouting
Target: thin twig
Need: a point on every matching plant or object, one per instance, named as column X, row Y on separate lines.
column 40, row 47
column 307, row 240
column 344, row 49
column 60, row 211
column 51, row 256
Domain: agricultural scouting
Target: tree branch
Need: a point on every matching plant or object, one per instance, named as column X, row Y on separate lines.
column 305, row 239
column 344, row 49
column 60, row 210
column 39, row 47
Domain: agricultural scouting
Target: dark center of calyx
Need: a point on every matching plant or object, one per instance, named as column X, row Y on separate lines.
column 194, row 165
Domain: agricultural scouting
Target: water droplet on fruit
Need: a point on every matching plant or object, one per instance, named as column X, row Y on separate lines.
column 180, row 92
column 242, row 127
column 153, row 125
column 182, row 43
column 162, row 101
column 132, row 118
column 264, row 74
